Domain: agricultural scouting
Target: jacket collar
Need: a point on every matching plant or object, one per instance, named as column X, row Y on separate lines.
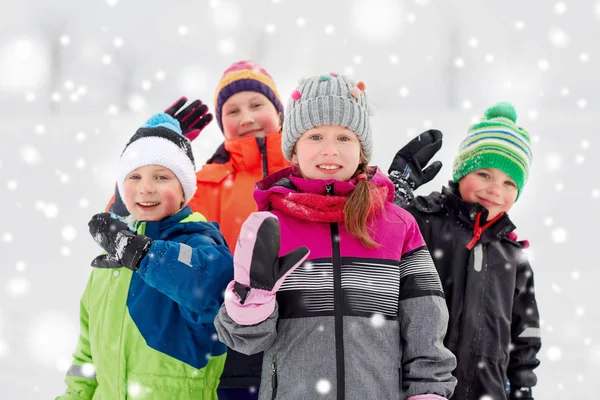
column 247, row 154
column 466, row 213
column 153, row 227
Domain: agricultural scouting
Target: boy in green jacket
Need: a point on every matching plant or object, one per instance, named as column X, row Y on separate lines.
column 148, row 309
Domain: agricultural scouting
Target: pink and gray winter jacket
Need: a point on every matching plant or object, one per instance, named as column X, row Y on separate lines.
column 350, row 322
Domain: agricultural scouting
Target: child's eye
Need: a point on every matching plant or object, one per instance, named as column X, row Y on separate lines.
column 232, row 112
column 344, row 138
column 510, row 183
column 162, row 177
column 134, row 177
column 256, row 105
column 314, row 137
column 483, row 174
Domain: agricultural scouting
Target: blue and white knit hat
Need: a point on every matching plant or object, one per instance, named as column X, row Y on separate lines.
column 160, row 141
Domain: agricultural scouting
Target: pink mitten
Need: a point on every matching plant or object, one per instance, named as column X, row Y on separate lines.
column 258, row 271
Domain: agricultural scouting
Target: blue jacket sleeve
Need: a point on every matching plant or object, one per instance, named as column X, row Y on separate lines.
column 194, row 273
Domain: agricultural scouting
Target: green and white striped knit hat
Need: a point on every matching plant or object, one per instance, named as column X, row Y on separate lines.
column 496, row 142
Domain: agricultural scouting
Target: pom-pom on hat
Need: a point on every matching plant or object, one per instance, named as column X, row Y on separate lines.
column 160, row 141
column 496, row 142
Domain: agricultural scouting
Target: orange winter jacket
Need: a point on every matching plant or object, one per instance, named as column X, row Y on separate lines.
column 225, row 191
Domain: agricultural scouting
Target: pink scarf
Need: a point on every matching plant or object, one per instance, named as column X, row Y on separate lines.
column 322, row 208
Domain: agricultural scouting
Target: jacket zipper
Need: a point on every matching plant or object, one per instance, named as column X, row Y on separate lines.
column 262, row 147
column 338, row 301
column 273, row 380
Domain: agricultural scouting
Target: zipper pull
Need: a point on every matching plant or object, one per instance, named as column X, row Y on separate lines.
column 477, row 231
column 476, row 237
column 329, row 189
column 274, row 378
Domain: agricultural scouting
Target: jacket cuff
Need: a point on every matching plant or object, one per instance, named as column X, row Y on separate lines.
column 257, row 306
column 403, row 193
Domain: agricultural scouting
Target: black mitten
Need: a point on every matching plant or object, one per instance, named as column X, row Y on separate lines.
column 123, row 247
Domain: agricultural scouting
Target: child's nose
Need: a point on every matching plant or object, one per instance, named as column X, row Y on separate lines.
column 494, row 187
column 247, row 119
column 147, row 187
column 329, row 148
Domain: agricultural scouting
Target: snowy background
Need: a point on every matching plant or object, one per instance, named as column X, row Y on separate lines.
column 76, row 78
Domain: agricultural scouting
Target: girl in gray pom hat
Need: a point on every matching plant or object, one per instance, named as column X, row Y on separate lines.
column 331, row 279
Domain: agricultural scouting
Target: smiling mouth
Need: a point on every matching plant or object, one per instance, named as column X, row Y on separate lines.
column 147, row 204
column 327, row 167
column 492, row 203
column 249, row 133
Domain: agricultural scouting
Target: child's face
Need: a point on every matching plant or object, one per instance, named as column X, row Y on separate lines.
column 491, row 188
column 152, row 193
column 327, row 152
column 248, row 114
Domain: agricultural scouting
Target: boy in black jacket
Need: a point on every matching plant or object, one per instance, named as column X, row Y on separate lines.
column 488, row 282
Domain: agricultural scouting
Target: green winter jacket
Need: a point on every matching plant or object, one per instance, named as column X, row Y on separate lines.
column 150, row 334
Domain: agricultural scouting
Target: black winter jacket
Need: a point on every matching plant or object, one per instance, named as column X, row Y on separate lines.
column 494, row 322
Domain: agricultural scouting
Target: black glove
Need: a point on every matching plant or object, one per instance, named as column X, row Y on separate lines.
column 192, row 119
column 124, row 248
column 410, row 160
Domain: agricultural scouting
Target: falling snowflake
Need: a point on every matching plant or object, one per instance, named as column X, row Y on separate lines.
column 556, row 288
column 553, row 353
column 183, row 30
column 118, row 42
column 20, row 267
column 559, row 235
column 18, row 286
column 560, row 8
column 323, row 386
column 226, row 46
column 270, row 28
column 553, row 162
column 403, row 91
column 69, row 233
column 30, row 155
column 558, row 38
column 377, row 320
column 134, row 389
